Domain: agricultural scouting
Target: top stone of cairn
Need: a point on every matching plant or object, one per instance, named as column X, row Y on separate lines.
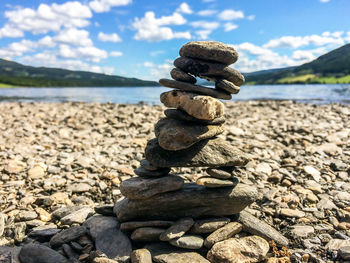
column 210, row 50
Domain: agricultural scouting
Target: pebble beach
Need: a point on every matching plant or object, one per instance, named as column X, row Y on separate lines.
column 75, row 155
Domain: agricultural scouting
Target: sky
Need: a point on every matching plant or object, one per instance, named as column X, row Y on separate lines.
column 141, row 38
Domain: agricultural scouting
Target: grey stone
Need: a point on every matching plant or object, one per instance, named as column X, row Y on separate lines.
column 188, row 241
column 147, row 166
column 64, row 211
column 77, row 217
column 188, row 201
column 142, row 188
column 178, row 229
column 344, row 252
column 174, row 135
column 227, row 86
column 67, row 235
column 114, row 243
column 210, row 50
column 169, row 83
column 211, row 182
column 223, row 233
column 44, row 235
column 164, row 253
column 197, row 106
column 179, row 75
column 98, row 223
column 255, row 226
column 106, row 210
column 302, row 231
column 203, row 68
column 127, row 226
column 208, row 225
column 34, row 253
column 147, row 234
column 183, row 116
column 206, row 153
column 140, row 171
column 218, row 173
column 9, row 254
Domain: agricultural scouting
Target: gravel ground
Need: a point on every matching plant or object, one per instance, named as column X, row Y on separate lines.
column 76, row 154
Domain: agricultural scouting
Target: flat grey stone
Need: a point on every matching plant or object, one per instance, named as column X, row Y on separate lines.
column 64, row 211
column 211, row 182
column 147, row 234
column 67, row 235
column 140, row 171
column 178, row 74
column 169, row 83
column 178, row 229
column 44, row 235
column 214, row 152
column 77, row 217
column 257, row 227
column 227, row 86
column 191, row 200
column 106, row 210
column 183, row 116
column 165, row 253
column 188, row 241
column 98, row 223
column 218, row 173
column 142, row 188
column 223, row 233
column 202, row 68
column 127, row 226
column 114, row 243
column 210, row 50
column 174, row 135
column 34, row 253
column 147, row 166
column 208, row 225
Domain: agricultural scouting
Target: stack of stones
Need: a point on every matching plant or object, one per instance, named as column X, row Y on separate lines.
column 159, row 206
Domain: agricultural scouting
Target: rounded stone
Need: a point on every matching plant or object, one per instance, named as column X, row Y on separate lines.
column 219, row 173
column 183, row 116
column 210, row 182
column 227, row 86
column 210, row 50
column 195, row 89
column 188, row 242
column 148, row 173
column 179, row 75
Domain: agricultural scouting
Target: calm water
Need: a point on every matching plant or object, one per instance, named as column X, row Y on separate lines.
column 303, row 93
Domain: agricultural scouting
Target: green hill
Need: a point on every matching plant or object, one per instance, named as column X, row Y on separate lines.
column 15, row 74
column 331, row 68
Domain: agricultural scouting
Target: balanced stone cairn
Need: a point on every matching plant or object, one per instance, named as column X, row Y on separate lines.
column 163, row 213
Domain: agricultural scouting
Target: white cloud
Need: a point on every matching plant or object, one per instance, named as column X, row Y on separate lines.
column 116, row 53
column 46, row 41
column 100, row 6
column 299, row 41
column 207, row 12
column 89, row 53
column 109, row 37
column 49, row 59
column 207, row 28
column 324, row 1
column 73, row 36
column 251, row 17
column 229, row 27
column 184, row 8
column 230, row 14
column 159, row 71
column 154, row 29
column 156, row 53
column 45, row 18
column 307, row 55
column 205, row 24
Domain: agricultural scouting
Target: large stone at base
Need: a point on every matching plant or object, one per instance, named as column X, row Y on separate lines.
column 206, row 153
column 191, row 200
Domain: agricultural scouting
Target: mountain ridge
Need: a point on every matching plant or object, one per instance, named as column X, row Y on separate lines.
column 330, row 68
column 16, row 74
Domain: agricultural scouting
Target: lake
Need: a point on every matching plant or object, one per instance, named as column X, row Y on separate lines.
column 302, row 93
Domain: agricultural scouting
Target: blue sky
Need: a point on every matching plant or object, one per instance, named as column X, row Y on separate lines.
column 137, row 38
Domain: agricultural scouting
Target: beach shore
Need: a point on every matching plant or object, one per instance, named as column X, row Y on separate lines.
column 58, row 154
